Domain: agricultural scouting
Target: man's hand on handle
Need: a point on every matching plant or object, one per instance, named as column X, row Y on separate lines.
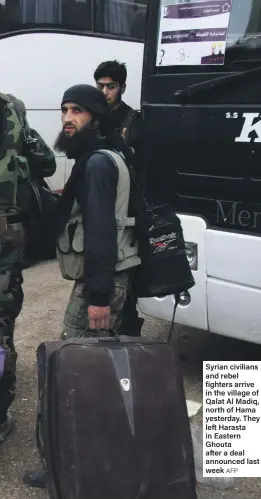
column 99, row 317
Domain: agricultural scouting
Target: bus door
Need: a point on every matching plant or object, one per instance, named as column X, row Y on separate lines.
column 201, row 104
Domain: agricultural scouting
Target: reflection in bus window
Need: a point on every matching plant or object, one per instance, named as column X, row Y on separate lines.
column 121, row 17
column 254, row 25
column 77, row 14
column 67, row 13
column 125, row 18
column 245, row 19
column 40, row 12
column 9, row 13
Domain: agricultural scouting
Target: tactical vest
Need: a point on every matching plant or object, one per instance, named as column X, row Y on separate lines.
column 70, row 244
column 14, row 170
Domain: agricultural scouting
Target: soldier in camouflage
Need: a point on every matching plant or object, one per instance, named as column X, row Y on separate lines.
column 40, row 156
column 18, row 163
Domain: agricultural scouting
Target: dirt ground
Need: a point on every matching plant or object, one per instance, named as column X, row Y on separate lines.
column 46, row 294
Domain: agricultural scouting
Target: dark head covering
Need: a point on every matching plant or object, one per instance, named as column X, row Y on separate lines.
column 87, row 96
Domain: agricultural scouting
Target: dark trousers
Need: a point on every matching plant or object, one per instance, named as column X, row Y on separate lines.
column 131, row 323
column 11, row 301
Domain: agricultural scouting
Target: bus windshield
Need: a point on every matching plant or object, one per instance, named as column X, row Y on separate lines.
column 208, row 32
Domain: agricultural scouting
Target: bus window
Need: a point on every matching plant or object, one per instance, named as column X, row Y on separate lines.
column 9, row 13
column 71, row 14
column 121, row 18
column 37, row 12
column 77, row 14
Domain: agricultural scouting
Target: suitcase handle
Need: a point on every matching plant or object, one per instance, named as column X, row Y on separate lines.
column 111, row 338
column 108, row 339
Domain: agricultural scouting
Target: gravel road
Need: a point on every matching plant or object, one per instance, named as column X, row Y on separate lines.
column 46, row 295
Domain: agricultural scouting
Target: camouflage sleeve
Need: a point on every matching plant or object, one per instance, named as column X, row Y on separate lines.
column 41, row 158
column 44, row 156
column 21, row 112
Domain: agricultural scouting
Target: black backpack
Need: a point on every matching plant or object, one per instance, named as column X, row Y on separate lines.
column 165, row 268
column 132, row 125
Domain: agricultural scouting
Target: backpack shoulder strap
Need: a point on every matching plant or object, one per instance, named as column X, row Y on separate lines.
column 117, row 156
column 128, row 118
column 119, row 161
column 129, row 128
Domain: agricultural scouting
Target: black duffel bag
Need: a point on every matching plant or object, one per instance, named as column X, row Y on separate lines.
column 40, row 224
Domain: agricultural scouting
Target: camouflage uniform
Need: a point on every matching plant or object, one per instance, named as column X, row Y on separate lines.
column 13, row 241
column 40, row 156
column 42, row 162
column 76, row 315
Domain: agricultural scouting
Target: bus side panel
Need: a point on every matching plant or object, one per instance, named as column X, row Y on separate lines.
column 234, row 284
column 39, row 67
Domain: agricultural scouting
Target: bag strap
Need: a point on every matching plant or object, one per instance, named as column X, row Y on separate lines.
column 172, row 325
column 128, row 118
column 117, row 158
column 131, row 172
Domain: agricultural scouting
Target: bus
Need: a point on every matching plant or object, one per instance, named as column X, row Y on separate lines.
column 48, row 45
column 201, row 106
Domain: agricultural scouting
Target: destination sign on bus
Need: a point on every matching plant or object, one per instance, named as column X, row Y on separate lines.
column 193, row 33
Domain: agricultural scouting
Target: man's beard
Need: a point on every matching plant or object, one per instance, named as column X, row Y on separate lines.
column 77, row 144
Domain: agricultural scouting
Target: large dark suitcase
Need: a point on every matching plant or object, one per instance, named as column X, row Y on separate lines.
column 112, row 421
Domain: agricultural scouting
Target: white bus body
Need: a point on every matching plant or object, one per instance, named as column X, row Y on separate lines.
column 48, row 45
column 39, row 67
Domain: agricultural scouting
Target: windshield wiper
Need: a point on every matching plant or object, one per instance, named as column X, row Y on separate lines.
column 246, row 61
column 203, row 86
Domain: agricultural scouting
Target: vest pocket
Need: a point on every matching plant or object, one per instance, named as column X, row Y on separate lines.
column 127, row 253
column 127, row 258
column 70, row 251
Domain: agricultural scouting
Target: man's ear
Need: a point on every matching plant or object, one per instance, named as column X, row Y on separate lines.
column 123, row 88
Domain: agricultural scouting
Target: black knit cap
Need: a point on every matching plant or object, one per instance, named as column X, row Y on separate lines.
column 87, row 96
